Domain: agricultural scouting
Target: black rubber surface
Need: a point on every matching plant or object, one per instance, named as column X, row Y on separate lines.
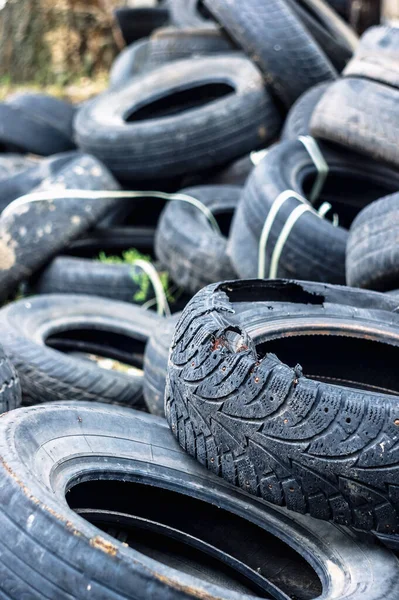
column 156, row 364
column 372, row 257
column 298, row 119
column 128, row 485
column 314, row 248
column 10, row 388
column 320, row 440
column 34, row 173
column 289, row 57
column 186, row 244
column 140, row 22
column 37, row 123
column 32, row 233
column 41, row 332
column 337, row 39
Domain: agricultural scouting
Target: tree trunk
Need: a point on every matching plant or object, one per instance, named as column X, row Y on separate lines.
column 55, row 41
column 364, row 14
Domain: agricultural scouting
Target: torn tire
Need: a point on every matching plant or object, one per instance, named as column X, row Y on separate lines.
column 307, row 437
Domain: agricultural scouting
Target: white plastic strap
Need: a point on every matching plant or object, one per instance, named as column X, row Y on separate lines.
column 258, row 155
column 277, row 204
column 153, row 276
column 97, row 195
column 282, row 238
column 319, row 162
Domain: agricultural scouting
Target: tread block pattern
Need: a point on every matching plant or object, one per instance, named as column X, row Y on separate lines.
column 317, row 448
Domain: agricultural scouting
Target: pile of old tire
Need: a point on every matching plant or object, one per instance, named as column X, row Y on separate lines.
column 217, row 153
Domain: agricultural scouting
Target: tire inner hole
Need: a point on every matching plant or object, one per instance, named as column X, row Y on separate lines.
column 179, row 101
column 203, row 11
column 347, row 194
column 224, row 219
column 189, row 535
column 342, row 360
column 121, row 352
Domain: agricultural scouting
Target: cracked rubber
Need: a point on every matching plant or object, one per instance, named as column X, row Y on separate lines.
column 290, row 59
column 61, row 555
column 320, row 448
column 186, row 244
column 372, row 256
column 200, row 133
column 47, row 373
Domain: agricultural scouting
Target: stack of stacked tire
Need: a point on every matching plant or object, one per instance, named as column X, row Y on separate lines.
column 192, row 244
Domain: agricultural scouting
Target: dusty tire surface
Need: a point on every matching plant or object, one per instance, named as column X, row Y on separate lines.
column 72, row 323
column 313, row 443
column 134, row 456
column 156, row 365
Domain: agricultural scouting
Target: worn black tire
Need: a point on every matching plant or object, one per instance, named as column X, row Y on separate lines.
column 138, row 23
column 67, row 275
column 159, row 482
column 130, row 62
column 313, row 443
column 377, row 56
column 185, row 243
column 288, row 56
column 31, row 234
column 192, row 140
column 47, row 373
column 337, row 39
column 298, row 119
column 10, row 387
column 23, row 182
column 171, row 43
column 372, row 258
column 156, row 365
column 314, row 249
column 37, row 123
column 114, row 239
column 166, row 45
column 360, row 115
column 190, row 13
